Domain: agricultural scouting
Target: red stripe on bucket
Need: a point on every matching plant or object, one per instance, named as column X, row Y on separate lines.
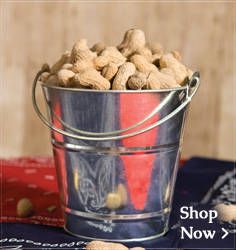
column 138, row 167
column 59, row 155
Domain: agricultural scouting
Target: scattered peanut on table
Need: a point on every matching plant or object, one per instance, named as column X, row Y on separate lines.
column 137, row 248
column 101, row 245
column 226, row 212
column 24, row 208
column 134, row 64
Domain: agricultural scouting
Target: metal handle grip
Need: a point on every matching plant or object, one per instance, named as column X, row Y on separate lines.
column 191, row 90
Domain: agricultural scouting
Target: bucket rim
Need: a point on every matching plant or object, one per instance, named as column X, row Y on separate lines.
column 44, row 85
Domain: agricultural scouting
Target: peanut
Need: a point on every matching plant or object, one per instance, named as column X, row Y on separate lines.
column 156, row 48
column 82, row 65
column 91, row 78
column 114, row 55
column 67, row 66
column 145, row 52
column 166, row 81
column 168, row 71
column 64, row 77
column 80, row 51
column 109, row 71
column 137, row 81
column 52, row 80
column 124, row 72
column 109, row 55
column 65, row 58
column 100, row 62
column 226, row 212
column 24, row 207
column 100, row 245
column 44, row 76
column 113, row 201
column 142, row 64
column 98, row 47
column 180, row 71
column 157, row 80
column 134, row 39
column 152, row 82
column 81, row 56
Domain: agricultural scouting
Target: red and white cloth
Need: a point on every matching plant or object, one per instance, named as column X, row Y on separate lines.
column 35, row 179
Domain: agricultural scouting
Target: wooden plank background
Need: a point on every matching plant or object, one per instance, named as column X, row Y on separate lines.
column 36, row 32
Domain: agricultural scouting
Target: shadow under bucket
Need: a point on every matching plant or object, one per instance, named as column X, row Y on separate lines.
column 116, row 156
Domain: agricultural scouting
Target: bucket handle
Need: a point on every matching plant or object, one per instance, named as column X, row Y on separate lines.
column 192, row 87
column 114, row 132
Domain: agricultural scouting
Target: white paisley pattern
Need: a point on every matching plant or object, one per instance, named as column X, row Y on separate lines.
column 95, row 182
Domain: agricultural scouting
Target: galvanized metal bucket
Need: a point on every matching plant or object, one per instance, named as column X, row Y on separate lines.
column 116, row 156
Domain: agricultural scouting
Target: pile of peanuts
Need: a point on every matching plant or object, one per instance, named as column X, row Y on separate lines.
column 134, row 64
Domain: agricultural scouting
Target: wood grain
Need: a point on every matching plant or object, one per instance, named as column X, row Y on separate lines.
column 35, row 32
